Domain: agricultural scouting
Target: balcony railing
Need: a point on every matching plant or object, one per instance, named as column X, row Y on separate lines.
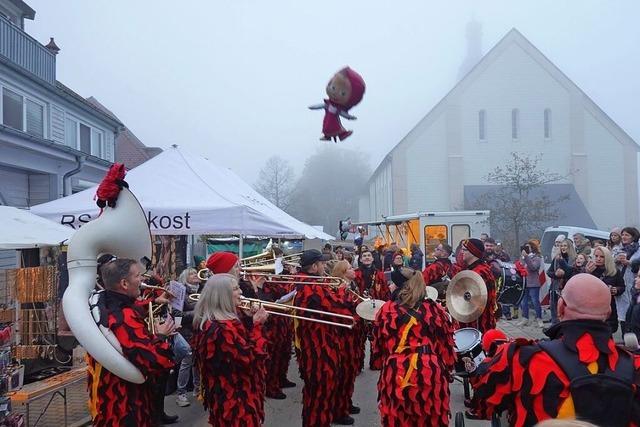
column 26, row 52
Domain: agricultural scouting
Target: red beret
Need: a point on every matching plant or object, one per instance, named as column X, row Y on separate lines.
column 221, row 262
column 492, row 336
column 475, row 246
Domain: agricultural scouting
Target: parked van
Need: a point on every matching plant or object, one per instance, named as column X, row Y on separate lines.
column 550, row 234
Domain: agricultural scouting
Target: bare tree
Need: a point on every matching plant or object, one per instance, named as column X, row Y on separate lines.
column 330, row 186
column 519, row 203
column 275, row 181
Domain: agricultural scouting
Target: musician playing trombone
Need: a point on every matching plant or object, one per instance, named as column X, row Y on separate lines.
column 230, row 357
column 318, row 356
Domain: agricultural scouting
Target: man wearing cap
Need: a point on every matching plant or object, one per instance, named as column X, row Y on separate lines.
column 580, row 373
column 317, row 345
column 472, row 255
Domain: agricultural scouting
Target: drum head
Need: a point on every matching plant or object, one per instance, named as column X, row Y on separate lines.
column 368, row 309
column 466, row 339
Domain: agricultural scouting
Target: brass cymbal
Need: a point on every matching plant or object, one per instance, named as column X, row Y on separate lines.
column 368, row 308
column 432, row 293
column 466, row 296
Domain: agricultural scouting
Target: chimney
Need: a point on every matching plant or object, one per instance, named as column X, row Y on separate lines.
column 52, row 46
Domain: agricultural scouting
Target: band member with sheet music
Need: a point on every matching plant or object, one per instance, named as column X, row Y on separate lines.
column 112, row 400
column 472, row 252
column 416, row 337
column 318, row 356
column 230, row 358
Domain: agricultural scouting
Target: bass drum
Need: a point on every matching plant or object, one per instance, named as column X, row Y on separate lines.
column 510, row 285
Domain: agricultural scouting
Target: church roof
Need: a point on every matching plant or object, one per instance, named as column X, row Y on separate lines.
column 515, row 37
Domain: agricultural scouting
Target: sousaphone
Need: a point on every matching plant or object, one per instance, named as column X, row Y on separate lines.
column 466, row 296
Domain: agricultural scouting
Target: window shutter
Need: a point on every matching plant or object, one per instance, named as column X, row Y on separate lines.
column 35, row 119
column 109, row 147
column 71, row 133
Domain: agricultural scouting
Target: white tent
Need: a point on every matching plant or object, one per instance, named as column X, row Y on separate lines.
column 20, row 229
column 184, row 193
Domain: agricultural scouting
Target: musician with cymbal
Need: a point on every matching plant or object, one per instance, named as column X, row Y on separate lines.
column 416, row 337
column 371, row 281
column 318, row 357
column 472, row 251
column 113, row 400
column 230, row 358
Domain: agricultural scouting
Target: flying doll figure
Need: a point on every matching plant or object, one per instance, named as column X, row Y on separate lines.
column 345, row 90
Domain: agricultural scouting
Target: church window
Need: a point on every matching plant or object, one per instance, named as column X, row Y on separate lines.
column 547, row 123
column 515, row 123
column 482, row 125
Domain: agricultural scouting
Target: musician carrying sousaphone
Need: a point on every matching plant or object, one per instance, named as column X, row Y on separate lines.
column 123, row 356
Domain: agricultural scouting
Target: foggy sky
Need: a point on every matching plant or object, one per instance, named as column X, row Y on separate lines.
column 232, row 79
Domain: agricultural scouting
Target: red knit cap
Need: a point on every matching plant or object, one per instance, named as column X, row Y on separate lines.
column 475, row 246
column 492, row 336
column 221, row 262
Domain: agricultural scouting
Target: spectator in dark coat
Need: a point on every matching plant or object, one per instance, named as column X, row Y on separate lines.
column 633, row 313
column 604, row 268
column 417, row 257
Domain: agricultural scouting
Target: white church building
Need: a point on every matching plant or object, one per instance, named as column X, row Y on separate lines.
column 513, row 100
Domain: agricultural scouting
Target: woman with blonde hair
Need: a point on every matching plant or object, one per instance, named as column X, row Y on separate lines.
column 351, row 342
column 603, row 266
column 416, row 336
column 559, row 272
column 230, row 359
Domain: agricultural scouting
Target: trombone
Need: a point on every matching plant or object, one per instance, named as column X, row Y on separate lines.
column 249, row 303
column 292, row 279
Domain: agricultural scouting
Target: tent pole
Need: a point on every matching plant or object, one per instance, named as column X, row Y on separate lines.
column 240, row 245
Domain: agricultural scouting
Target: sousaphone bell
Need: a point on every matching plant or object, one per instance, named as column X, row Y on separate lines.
column 466, row 296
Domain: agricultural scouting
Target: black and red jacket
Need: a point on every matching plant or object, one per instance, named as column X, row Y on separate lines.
column 528, row 383
column 112, row 400
column 418, row 356
column 231, row 361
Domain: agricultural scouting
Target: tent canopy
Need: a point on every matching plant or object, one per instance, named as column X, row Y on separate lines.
column 184, row 193
column 20, row 229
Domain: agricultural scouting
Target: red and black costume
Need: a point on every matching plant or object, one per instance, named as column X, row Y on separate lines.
column 112, row 400
column 231, row 361
column 487, row 319
column 527, row 381
column 349, row 342
column 418, row 353
column 278, row 332
column 318, row 350
column 438, row 270
column 371, row 280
